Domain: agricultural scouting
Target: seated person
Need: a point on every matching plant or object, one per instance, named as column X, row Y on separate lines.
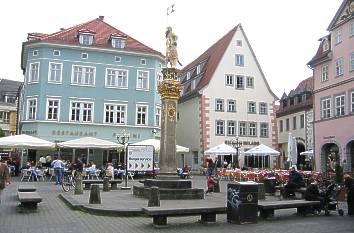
column 110, row 170
column 295, row 181
column 185, row 172
column 312, row 193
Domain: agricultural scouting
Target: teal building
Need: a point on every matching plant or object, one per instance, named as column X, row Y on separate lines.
column 89, row 80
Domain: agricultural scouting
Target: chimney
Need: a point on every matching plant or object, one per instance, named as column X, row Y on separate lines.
column 101, row 17
column 62, row 29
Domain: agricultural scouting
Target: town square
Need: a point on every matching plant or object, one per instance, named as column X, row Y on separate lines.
column 108, row 129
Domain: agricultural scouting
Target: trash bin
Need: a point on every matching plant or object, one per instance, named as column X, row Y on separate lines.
column 269, row 185
column 242, row 202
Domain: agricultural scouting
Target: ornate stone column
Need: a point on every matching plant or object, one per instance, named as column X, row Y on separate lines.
column 169, row 90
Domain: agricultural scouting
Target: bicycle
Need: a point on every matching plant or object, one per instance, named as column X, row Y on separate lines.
column 68, row 181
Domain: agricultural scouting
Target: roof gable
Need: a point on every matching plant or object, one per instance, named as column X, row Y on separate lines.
column 344, row 13
column 211, row 58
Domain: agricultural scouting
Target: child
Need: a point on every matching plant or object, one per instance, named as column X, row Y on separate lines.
column 211, row 183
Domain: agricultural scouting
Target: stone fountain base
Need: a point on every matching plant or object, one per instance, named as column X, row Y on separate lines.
column 171, row 188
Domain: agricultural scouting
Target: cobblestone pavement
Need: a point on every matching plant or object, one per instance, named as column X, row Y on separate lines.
column 53, row 216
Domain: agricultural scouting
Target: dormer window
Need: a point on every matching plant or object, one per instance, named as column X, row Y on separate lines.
column 198, row 69
column 325, row 46
column 118, row 42
column 188, row 75
column 86, row 39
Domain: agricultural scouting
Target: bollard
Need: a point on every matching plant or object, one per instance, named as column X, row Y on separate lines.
column 78, row 186
column 154, row 199
column 95, row 195
column 105, row 184
column 217, row 186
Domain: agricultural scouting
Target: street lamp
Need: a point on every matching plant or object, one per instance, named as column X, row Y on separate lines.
column 123, row 138
column 236, row 144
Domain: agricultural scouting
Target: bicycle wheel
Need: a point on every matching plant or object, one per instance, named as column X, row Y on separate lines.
column 66, row 184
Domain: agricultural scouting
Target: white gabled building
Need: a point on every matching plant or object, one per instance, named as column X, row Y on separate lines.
column 225, row 95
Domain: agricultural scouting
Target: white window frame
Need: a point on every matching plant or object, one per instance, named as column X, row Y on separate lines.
column 251, row 106
column 198, row 69
column 339, row 106
column 144, row 79
column 53, row 108
column 219, row 128
column 294, row 122
column 57, row 79
column 33, row 78
column 56, row 51
column 229, row 80
column 326, row 108
column 338, row 36
column 302, row 121
column 4, row 117
column 242, row 128
column 143, row 62
column 159, row 78
column 252, row 129
column 81, row 109
column 281, row 126
column 263, row 108
column 116, row 111
column 35, row 53
column 351, row 62
column 146, row 113
column 231, row 129
column 325, row 45
column 231, row 105
column 84, row 55
column 83, row 73
column 239, row 43
column 324, row 73
column 118, row 43
column 338, row 67
column 158, row 116
column 31, row 113
column 118, row 78
column 86, row 39
column 250, row 82
column 351, row 28
column 264, row 130
column 219, row 105
column 239, row 60
column 117, row 59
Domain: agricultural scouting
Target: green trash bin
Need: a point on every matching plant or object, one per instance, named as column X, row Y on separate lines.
column 242, row 202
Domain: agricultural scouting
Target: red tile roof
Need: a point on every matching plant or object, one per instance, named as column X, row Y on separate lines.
column 102, row 34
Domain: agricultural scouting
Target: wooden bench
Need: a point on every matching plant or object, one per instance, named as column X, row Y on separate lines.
column 26, row 188
column 29, row 199
column 160, row 214
column 113, row 183
column 266, row 208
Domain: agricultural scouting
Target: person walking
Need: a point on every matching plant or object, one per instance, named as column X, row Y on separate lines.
column 4, row 176
column 349, row 184
column 58, row 166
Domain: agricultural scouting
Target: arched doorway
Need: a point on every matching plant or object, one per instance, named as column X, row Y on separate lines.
column 300, row 158
column 329, row 154
column 349, row 160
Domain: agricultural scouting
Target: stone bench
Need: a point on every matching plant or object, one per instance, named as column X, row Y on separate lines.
column 299, row 193
column 160, row 214
column 29, row 199
column 266, row 208
column 113, row 183
column 26, row 188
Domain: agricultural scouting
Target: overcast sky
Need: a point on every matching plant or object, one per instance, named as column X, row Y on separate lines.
column 283, row 33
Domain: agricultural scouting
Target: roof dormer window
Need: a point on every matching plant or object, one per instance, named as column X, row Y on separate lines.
column 198, row 69
column 325, row 46
column 118, row 42
column 86, row 37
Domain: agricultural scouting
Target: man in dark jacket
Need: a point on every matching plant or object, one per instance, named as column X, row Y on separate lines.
column 295, row 181
column 349, row 184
